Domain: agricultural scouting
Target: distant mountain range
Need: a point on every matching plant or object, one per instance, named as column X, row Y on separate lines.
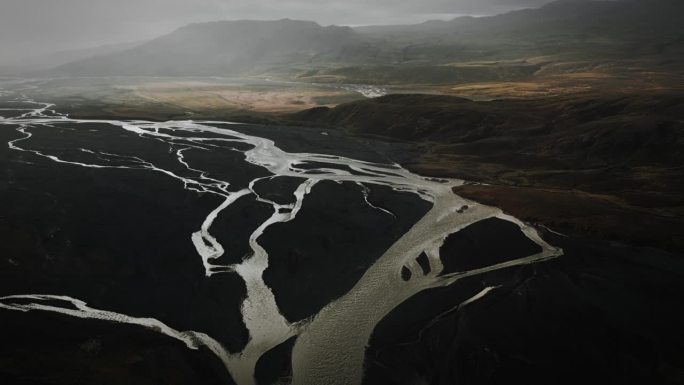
column 583, row 28
column 51, row 60
column 223, row 48
column 625, row 19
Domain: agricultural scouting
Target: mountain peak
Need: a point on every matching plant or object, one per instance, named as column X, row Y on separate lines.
column 222, row 48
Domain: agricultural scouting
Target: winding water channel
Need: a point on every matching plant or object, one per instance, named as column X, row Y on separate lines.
column 330, row 346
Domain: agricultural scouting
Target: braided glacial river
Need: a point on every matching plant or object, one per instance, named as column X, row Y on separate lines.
column 330, row 346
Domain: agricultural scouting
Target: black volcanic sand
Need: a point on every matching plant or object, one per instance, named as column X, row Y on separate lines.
column 603, row 313
column 311, row 140
column 275, row 366
column 229, row 166
column 120, row 241
column 485, row 243
column 117, row 239
column 320, row 165
column 12, row 113
column 66, row 140
column 4, row 103
column 42, row 348
column 325, row 250
column 593, row 162
column 234, row 225
column 236, row 146
column 279, row 189
column 195, row 134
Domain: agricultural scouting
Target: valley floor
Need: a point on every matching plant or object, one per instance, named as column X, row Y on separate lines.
column 599, row 174
column 605, row 145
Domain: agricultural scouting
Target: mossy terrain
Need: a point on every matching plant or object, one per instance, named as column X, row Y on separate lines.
column 613, row 161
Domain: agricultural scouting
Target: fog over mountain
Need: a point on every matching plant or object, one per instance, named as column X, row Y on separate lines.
column 222, row 48
column 228, row 48
column 357, row 192
column 32, row 27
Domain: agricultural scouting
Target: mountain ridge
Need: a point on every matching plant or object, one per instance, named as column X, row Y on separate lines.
column 220, row 47
column 592, row 30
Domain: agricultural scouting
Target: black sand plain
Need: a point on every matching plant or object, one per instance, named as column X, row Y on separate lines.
column 120, row 240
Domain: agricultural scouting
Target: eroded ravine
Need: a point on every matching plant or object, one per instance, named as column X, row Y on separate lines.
column 330, row 347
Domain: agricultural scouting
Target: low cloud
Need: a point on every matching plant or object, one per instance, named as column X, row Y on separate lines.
column 32, row 27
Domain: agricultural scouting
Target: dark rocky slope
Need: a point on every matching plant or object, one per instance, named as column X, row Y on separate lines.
column 609, row 160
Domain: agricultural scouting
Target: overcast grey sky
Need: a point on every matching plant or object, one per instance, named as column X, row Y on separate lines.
column 37, row 26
